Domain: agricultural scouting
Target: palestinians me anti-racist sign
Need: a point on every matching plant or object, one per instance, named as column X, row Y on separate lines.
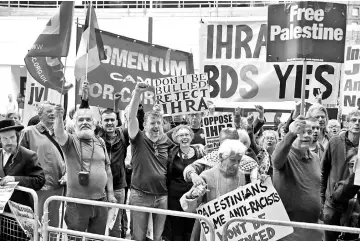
column 181, row 95
column 127, row 62
column 312, row 31
column 350, row 83
column 255, row 200
column 212, row 126
column 233, row 52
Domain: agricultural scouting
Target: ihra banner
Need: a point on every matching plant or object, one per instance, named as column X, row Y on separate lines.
column 255, row 200
column 182, row 94
column 212, row 126
column 127, row 62
column 234, row 55
column 350, row 83
column 313, row 31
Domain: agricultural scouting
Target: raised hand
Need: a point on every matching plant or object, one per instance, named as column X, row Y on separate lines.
column 298, row 126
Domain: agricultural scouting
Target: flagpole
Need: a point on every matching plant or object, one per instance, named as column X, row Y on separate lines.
column 88, row 42
column 63, row 82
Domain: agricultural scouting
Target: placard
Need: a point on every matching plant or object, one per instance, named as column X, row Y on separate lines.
column 255, row 200
column 5, row 194
column 182, row 94
column 350, row 83
column 233, row 52
column 127, row 62
column 312, row 31
column 22, row 215
column 212, row 126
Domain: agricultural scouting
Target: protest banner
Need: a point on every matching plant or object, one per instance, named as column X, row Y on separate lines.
column 350, row 84
column 182, row 94
column 234, row 55
column 5, row 194
column 255, row 200
column 212, row 126
column 35, row 93
column 22, row 215
column 306, row 31
column 112, row 215
column 127, row 62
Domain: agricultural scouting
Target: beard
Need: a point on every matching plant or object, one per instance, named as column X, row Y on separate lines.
column 10, row 148
column 229, row 170
column 84, row 134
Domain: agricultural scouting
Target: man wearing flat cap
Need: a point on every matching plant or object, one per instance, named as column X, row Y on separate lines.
column 18, row 164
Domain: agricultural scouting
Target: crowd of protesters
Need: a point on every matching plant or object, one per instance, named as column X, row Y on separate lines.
column 148, row 161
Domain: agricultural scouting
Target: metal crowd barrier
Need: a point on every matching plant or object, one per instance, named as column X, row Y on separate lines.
column 323, row 227
column 52, row 233
column 9, row 227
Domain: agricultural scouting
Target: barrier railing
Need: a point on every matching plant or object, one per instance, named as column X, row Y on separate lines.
column 289, row 224
column 48, row 229
column 9, row 225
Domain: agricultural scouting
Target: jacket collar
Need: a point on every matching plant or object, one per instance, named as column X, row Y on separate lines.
column 12, row 158
column 105, row 137
column 42, row 128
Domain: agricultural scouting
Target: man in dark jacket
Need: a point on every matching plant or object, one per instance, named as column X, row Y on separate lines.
column 18, row 164
column 334, row 169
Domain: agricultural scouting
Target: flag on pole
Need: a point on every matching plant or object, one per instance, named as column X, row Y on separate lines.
column 91, row 48
column 54, row 41
column 49, row 72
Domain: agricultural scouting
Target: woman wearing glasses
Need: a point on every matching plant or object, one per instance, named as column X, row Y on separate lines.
column 182, row 155
column 268, row 142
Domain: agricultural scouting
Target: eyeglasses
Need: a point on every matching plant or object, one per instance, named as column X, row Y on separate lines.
column 269, row 138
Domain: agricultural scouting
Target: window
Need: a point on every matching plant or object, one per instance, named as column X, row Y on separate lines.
column 355, row 12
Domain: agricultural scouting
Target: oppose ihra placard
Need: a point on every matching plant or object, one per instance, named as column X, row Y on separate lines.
column 212, row 126
column 313, row 31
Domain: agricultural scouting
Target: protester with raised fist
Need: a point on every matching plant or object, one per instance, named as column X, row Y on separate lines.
column 88, row 172
column 150, row 155
column 296, row 178
column 334, row 169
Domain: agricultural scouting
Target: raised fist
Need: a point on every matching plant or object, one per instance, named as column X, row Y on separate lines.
column 298, row 126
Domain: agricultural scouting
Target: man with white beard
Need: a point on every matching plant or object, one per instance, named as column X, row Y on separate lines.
column 88, row 172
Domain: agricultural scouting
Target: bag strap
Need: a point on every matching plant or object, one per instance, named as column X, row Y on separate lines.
column 46, row 133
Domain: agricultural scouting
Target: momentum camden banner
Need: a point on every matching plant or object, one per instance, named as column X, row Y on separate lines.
column 306, row 31
column 127, row 62
column 234, row 55
column 255, row 200
column 350, row 84
column 212, row 126
column 185, row 94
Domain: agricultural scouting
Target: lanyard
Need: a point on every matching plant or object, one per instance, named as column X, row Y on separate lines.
column 81, row 155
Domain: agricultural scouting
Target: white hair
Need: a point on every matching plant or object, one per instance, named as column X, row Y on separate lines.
column 244, row 137
column 41, row 106
column 229, row 147
column 333, row 122
column 83, row 111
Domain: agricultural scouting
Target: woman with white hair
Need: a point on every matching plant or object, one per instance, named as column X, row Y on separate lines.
column 225, row 177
